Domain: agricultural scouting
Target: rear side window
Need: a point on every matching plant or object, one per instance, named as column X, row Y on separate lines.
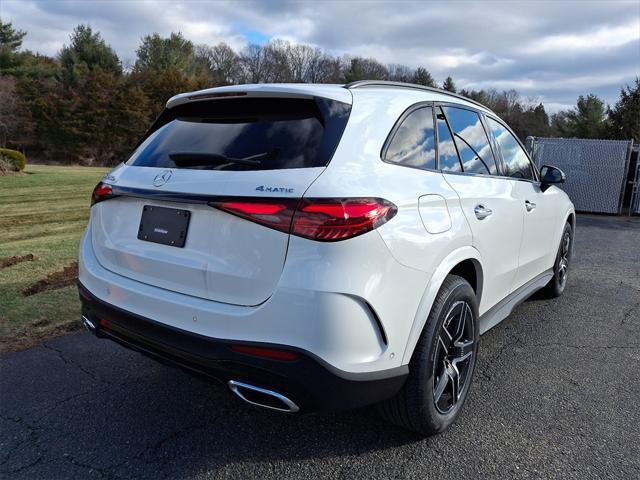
column 447, row 153
column 245, row 134
column 516, row 162
column 472, row 142
column 413, row 144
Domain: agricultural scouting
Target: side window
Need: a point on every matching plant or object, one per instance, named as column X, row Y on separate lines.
column 413, row 144
column 472, row 142
column 516, row 162
column 447, row 153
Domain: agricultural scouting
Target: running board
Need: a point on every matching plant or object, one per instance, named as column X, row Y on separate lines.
column 504, row 307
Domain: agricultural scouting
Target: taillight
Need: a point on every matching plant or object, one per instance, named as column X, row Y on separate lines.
column 275, row 214
column 330, row 220
column 102, row 192
column 325, row 219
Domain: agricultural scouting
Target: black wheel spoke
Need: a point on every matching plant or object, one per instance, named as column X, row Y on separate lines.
column 440, row 386
column 454, row 383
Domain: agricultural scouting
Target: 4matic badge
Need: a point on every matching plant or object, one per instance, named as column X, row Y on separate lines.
column 263, row 188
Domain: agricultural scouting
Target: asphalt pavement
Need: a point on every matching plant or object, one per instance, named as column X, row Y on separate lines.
column 555, row 395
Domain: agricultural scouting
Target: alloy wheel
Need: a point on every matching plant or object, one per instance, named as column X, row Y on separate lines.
column 563, row 263
column 453, row 356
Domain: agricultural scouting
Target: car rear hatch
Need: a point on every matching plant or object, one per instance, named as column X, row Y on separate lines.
column 173, row 218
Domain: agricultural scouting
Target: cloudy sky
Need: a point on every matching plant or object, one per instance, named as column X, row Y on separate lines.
column 551, row 50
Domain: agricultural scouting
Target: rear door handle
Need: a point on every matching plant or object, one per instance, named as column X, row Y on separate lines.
column 529, row 206
column 482, row 212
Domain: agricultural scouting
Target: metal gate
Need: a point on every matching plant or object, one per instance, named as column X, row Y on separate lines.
column 596, row 169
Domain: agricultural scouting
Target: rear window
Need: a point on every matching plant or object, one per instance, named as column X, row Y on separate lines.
column 413, row 144
column 244, row 134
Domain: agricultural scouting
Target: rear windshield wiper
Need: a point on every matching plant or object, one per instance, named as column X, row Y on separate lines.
column 192, row 159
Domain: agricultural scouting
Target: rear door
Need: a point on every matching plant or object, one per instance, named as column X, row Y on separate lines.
column 175, row 217
column 490, row 203
column 537, row 250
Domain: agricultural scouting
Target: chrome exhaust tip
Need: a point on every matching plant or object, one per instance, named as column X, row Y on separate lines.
column 89, row 325
column 262, row 397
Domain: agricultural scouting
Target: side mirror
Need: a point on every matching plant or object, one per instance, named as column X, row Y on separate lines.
column 551, row 176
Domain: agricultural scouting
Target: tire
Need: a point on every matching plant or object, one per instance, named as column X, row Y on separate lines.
column 558, row 283
column 415, row 407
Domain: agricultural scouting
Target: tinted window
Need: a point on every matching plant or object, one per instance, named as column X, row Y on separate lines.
column 267, row 134
column 515, row 159
column 471, row 140
column 413, row 144
column 447, row 154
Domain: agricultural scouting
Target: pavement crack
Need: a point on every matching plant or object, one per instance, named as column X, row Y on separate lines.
column 68, row 361
column 25, row 467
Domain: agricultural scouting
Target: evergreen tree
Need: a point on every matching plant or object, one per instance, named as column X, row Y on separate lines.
column 86, row 52
column 422, row 77
column 449, row 85
column 171, row 53
column 10, row 43
column 586, row 120
column 625, row 115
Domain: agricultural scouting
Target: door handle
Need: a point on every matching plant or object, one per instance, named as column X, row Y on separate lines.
column 529, row 205
column 482, row 212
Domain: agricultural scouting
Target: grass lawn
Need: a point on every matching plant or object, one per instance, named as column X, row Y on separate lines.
column 42, row 213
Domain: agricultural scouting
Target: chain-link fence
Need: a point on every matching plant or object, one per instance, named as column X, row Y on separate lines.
column 596, row 169
column 635, row 193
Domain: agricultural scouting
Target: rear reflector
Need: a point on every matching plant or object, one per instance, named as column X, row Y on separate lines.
column 322, row 219
column 270, row 353
column 102, row 192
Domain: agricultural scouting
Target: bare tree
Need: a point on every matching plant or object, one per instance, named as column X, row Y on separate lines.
column 277, row 60
column 400, row 73
column 222, row 62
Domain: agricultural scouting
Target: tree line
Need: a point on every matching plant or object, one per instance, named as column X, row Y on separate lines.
column 85, row 105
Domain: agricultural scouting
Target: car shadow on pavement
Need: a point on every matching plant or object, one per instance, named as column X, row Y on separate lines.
column 93, row 404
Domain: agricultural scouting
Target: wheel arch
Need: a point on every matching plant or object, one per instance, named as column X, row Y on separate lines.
column 471, row 270
column 465, row 262
column 568, row 217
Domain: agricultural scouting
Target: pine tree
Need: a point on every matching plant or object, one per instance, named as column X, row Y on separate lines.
column 449, row 85
column 625, row 115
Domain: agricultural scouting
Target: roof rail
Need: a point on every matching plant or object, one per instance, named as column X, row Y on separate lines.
column 387, row 83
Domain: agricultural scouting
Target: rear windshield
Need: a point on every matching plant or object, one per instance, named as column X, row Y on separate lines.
column 244, row 134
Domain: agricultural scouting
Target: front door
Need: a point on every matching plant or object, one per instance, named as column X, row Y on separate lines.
column 490, row 203
column 537, row 252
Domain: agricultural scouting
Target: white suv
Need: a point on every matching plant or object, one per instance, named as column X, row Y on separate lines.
column 324, row 246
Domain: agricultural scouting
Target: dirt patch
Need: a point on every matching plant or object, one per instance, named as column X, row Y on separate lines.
column 29, row 338
column 8, row 261
column 68, row 276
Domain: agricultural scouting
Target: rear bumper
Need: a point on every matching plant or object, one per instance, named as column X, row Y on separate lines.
column 309, row 381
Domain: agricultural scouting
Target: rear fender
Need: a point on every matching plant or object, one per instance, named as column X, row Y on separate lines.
column 424, row 307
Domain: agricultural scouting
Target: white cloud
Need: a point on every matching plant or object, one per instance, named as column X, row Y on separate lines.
column 553, row 50
column 599, row 38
